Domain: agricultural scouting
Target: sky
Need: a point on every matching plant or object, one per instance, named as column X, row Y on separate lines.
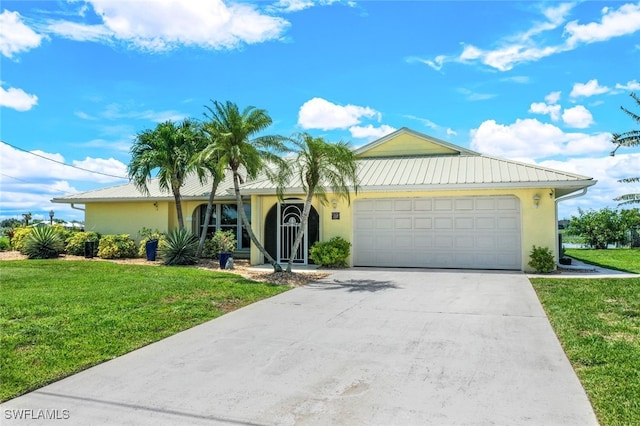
column 539, row 82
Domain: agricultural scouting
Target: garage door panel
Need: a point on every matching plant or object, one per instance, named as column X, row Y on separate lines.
column 438, row 232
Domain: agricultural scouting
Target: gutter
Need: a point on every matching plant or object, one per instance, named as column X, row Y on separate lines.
column 73, row 206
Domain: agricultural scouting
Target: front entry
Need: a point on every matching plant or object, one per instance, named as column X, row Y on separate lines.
column 281, row 230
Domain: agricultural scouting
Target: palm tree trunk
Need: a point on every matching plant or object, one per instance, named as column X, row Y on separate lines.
column 247, row 224
column 207, row 217
column 303, row 225
column 177, row 198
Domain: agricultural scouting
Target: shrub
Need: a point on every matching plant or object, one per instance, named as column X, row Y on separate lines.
column 223, row 242
column 117, row 247
column 542, row 259
column 75, row 243
column 19, row 235
column 180, row 249
column 43, row 243
column 332, row 253
column 209, row 249
column 148, row 235
column 4, row 244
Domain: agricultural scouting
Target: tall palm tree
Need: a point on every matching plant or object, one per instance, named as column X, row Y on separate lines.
column 319, row 165
column 241, row 151
column 169, row 148
column 628, row 139
column 216, row 169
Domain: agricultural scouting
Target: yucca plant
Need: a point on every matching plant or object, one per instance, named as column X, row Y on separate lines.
column 180, row 248
column 43, row 243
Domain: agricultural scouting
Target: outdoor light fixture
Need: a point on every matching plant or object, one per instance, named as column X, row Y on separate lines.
column 536, row 200
column 51, row 213
column 334, row 203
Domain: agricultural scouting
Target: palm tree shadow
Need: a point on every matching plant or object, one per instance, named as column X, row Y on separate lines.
column 366, row 285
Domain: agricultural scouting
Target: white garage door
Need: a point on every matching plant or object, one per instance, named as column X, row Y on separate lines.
column 439, row 232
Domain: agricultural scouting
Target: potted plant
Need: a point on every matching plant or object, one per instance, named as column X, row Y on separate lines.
column 149, row 243
column 224, row 243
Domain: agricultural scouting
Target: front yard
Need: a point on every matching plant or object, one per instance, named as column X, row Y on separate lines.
column 598, row 324
column 59, row 317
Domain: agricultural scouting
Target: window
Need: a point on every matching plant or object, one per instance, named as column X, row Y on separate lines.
column 229, row 220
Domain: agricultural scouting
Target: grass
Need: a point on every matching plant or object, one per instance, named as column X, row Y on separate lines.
column 621, row 259
column 598, row 323
column 61, row 317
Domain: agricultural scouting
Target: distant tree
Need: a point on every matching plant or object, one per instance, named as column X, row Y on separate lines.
column 320, row 166
column 599, row 228
column 628, row 139
column 237, row 146
column 10, row 223
column 27, row 218
column 169, row 149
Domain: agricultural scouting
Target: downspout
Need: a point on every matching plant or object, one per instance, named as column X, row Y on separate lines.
column 73, row 206
column 565, row 198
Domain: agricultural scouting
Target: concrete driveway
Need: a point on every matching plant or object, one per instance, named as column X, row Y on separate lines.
column 363, row 347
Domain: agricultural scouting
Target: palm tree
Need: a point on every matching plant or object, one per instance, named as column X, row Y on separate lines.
column 236, row 147
column 27, row 218
column 318, row 165
column 628, row 139
column 169, row 148
column 216, row 168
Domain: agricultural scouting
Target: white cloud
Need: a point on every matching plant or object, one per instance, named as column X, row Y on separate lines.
column 293, row 5
column 370, row 132
column 578, row 117
column 552, row 98
column 631, row 85
column 17, row 99
column 588, row 89
column 29, row 182
column 533, row 44
column 625, row 20
column 474, row 96
column 451, row 132
column 319, row 113
column 15, row 36
column 161, row 25
column 532, row 139
column 542, row 108
column 607, row 171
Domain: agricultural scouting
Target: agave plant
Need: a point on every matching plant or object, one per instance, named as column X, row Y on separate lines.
column 180, row 248
column 43, row 243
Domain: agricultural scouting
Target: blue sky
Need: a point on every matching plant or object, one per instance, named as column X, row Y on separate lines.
column 540, row 82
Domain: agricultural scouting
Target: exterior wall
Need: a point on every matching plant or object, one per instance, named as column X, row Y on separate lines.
column 407, row 145
column 127, row 218
column 538, row 224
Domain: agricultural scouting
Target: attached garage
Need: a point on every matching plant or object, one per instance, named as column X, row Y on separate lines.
column 482, row 232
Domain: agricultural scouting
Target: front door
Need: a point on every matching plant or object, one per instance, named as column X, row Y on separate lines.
column 289, row 219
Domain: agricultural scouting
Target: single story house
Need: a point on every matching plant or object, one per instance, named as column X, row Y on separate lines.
column 422, row 202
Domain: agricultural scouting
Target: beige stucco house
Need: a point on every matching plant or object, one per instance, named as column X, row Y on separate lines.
column 422, row 202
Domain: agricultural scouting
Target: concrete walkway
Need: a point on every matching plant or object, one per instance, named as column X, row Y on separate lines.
column 362, row 347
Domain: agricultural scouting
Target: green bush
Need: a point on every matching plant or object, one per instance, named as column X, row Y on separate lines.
column 19, row 235
column 224, row 242
column 180, row 249
column 542, row 259
column 147, row 235
column 43, row 243
column 75, row 243
column 117, row 247
column 4, row 244
column 332, row 253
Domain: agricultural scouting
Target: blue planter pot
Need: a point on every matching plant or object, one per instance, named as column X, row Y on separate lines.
column 151, row 247
column 223, row 257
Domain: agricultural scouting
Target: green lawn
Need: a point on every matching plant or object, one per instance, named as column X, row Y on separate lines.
column 621, row 259
column 59, row 317
column 598, row 324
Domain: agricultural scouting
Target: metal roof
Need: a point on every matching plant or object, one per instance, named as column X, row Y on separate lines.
column 192, row 189
column 465, row 169
column 445, row 172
